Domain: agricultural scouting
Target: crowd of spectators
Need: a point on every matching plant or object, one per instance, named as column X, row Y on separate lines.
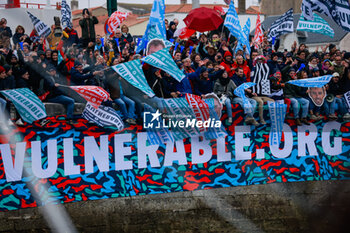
column 214, row 65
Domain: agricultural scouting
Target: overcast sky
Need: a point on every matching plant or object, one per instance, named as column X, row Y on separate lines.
column 94, row 3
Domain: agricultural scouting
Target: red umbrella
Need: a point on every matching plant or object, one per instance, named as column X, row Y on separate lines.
column 203, row 19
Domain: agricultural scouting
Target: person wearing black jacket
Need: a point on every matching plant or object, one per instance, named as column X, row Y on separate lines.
column 77, row 75
column 56, row 95
column 87, row 25
column 335, row 98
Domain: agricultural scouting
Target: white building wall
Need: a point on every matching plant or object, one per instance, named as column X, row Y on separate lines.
column 19, row 16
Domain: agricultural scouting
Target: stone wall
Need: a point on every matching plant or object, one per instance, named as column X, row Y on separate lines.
column 321, row 206
column 278, row 7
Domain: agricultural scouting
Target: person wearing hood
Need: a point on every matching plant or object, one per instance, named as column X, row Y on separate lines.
column 228, row 63
column 170, row 32
column 87, row 25
column 22, row 79
column 313, row 64
column 7, row 81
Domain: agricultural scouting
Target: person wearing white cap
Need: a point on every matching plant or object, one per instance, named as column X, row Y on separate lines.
column 335, row 99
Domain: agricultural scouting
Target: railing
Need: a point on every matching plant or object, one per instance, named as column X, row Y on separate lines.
column 30, row 5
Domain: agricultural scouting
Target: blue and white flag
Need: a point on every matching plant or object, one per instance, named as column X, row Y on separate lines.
column 66, row 15
column 232, row 22
column 28, row 105
column 317, row 25
column 312, row 82
column 283, row 25
column 163, row 60
column 41, row 28
column 240, row 92
column 338, row 10
column 245, row 38
column 132, row 72
column 277, row 112
column 153, row 123
column 103, row 116
column 156, row 19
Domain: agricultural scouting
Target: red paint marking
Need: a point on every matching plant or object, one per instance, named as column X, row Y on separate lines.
column 84, row 197
column 25, row 205
column 135, row 189
column 96, row 186
column 58, row 180
column 201, row 180
column 294, row 169
column 246, row 164
column 279, row 171
column 190, row 186
column 154, row 182
column 67, row 182
column 316, row 166
column 344, row 168
column 68, row 199
column 143, row 178
column 219, row 170
column 284, row 179
column 80, row 188
column 206, row 173
column 268, row 165
column 8, row 192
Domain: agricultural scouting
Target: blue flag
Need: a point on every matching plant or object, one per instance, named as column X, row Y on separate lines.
column 232, row 22
column 277, row 112
column 132, row 72
column 240, row 92
column 28, row 105
column 103, row 116
column 312, row 82
column 244, row 40
column 163, row 60
column 60, row 58
column 156, row 19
